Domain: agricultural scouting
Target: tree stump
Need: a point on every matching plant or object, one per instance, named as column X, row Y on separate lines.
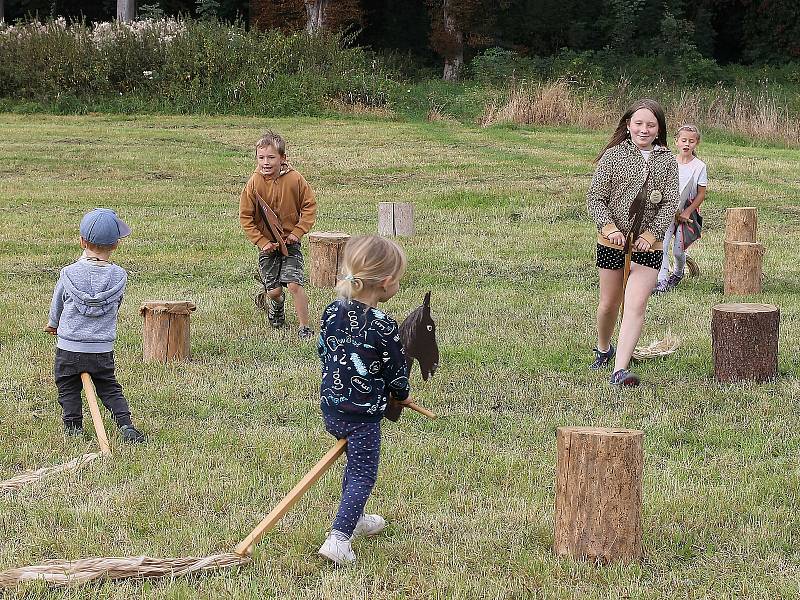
column 327, row 250
column 744, row 341
column 598, row 510
column 396, row 219
column 166, row 330
column 741, row 224
column 743, row 268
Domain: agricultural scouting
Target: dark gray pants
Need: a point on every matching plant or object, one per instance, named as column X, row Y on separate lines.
column 68, row 369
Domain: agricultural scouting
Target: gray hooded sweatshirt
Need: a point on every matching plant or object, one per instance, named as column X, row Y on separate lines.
column 85, row 305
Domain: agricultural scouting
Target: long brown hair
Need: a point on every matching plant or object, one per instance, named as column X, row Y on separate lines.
column 621, row 132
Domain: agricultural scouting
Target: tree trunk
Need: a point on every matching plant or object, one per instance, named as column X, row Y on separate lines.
column 316, row 16
column 741, row 224
column 744, row 341
column 598, row 510
column 743, row 268
column 326, row 257
column 453, row 60
column 2, row 12
column 165, row 334
column 126, row 10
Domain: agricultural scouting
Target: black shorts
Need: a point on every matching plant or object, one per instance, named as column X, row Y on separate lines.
column 614, row 258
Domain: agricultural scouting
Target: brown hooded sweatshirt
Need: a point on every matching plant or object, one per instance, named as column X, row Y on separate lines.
column 289, row 195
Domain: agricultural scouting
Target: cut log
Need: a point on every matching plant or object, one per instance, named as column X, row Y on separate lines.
column 326, row 257
column 741, row 224
column 165, row 334
column 743, row 268
column 744, row 340
column 396, row 219
column 598, row 510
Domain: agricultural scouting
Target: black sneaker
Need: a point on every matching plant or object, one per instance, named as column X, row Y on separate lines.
column 131, row 434
column 305, row 333
column 623, row 377
column 601, row 359
column 73, row 429
column 276, row 314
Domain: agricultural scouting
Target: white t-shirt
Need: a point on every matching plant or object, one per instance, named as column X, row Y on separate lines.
column 691, row 175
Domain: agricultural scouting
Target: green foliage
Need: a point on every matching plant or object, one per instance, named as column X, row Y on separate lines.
column 187, row 66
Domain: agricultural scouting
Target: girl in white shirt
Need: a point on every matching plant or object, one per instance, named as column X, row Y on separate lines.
column 688, row 222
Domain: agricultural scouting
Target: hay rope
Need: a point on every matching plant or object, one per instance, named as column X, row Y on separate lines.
column 65, row 573
column 16, row 483
column 658, row 348
column 692, row 267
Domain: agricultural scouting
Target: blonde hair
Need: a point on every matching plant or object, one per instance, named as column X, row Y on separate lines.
column 368, row 260
column 691, row 127
column 270, row 138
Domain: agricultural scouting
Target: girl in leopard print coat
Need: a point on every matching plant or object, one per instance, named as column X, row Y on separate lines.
column 636, row 159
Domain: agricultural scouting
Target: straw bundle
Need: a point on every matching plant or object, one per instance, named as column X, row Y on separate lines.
column 657, row 348
column 16, row 483
column 692, row 267
column 64, row 573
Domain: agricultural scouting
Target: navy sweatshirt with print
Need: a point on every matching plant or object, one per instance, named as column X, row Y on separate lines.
column 362, row 361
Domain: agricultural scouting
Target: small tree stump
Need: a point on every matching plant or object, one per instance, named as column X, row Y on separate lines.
column 165, row 334
column 744, row 341
column 743, row 268
column 395, row 219
column 741, row 224
column 326, row 257
column 598, row 511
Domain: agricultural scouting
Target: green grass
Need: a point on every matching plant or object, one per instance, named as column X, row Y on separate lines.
column 504, row 244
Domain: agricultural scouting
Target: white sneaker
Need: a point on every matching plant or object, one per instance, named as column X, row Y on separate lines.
column 337, row 550
column 369, row 525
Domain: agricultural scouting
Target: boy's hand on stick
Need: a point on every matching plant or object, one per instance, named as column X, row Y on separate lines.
column 292, row 239
column 50, row 330
column 269, row 248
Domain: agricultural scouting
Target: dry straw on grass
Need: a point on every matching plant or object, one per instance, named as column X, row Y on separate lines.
column 16, row 483
column 658, row 348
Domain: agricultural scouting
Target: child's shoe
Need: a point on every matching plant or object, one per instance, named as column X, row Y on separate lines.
column 624, row 377
column 131, row 434
column 73, row 429
column 601, row 359
column 338, row 549
column 369, row 525
column 276, row 314
column 305, row 333
column 661, row 286
column 673, row 282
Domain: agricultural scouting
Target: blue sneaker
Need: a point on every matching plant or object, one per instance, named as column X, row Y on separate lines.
column 625, row 378
column 601, row 359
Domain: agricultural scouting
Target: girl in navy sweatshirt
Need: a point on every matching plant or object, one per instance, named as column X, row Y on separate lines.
column 363, row 363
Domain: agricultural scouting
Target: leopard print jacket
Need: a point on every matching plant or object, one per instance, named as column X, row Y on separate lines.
column 620, row 174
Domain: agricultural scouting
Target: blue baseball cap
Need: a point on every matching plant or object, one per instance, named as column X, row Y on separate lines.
column 103, row 227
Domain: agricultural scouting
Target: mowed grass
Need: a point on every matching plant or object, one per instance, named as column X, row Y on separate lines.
column 505, row 246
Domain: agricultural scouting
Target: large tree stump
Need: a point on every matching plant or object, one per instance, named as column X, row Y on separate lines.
column 743, row 268
column 326, row 257
column 395, row 219
column 165, row 334
column 741, row 224
column 744, row 340
column 599, row 494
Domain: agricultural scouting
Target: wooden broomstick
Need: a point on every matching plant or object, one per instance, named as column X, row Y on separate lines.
column 636, row 214
column 16, row 483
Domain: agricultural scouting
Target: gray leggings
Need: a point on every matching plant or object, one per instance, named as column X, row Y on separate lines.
column 677, row 250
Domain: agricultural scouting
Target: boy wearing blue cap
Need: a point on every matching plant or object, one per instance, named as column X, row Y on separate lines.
column 83, row 316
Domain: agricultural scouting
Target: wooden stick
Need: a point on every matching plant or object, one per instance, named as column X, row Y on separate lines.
column 97, row 420
column 421, row 410
column 245, row 547
column 625, row 274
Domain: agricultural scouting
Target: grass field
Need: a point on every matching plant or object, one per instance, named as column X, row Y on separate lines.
column 504, row 243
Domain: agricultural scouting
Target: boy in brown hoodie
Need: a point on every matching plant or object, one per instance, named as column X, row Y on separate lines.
column 290, row 197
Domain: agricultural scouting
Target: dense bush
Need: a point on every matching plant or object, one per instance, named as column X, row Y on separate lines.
column 185, row 66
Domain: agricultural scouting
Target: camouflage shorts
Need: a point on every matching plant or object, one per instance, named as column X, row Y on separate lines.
column 277, row 270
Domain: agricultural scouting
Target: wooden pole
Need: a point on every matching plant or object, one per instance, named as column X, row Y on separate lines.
column 94, row 409
column 396, row 219
column 741, row 224
column 744, row 341
column 743, row 268
column 245, row 547
column 327, row 250
column 598, row 509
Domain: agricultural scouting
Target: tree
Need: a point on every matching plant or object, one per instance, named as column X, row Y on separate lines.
column 457, row 24
column 126, row 10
